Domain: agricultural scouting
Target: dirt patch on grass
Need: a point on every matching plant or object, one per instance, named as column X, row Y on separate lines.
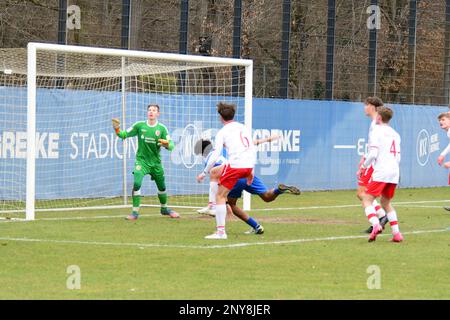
column 282, row 220
column 303, row 220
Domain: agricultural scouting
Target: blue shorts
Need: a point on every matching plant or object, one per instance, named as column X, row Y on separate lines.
column 257, row 187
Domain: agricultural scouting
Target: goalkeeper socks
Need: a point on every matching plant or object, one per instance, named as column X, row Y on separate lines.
column 135, row 212
column 162, row 196
column 136, row 195
column 371, row 215
column 253, row 223
column 277, row 191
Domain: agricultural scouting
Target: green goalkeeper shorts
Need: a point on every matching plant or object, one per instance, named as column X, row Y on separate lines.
column 156, row 172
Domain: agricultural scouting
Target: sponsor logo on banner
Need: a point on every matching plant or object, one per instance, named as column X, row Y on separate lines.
column 268, row 153
column 426, row 145
column 188, row 138
column 13, row 145
column 100, row 146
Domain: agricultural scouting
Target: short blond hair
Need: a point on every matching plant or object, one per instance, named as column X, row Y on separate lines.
column 385, row 113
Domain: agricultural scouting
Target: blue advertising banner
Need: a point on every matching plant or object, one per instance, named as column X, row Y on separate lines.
column 323, row 141
column 320, row 144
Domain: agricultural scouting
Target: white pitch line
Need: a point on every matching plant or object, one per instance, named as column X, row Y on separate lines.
column 235, row 245
column 121, row 216
column 116, row 216
column 414, row 206
column 418, row 202
column 253, row 210
column 308, row 208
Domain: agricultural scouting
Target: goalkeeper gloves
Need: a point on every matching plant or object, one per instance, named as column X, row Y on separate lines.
column 164, row 142
column 116, row 124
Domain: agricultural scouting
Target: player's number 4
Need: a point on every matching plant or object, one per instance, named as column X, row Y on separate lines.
column 393, row 150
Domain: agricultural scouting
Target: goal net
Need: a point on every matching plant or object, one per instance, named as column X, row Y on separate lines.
column 58, row 150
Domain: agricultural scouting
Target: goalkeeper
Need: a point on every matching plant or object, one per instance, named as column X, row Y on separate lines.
column 151, row 136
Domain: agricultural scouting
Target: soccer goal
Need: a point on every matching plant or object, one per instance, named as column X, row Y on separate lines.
column 58, row 150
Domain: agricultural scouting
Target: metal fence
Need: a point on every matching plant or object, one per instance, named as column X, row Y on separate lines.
column 302, row 49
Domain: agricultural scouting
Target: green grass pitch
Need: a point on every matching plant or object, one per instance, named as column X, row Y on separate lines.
column 313, row 248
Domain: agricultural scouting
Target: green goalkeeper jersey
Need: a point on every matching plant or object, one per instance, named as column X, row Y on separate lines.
column 148, row 146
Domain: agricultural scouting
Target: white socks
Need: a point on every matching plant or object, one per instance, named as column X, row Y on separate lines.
column 371, row 215
column 213, row 187
column 221, row 213
column 392, row 217
column 380, row 211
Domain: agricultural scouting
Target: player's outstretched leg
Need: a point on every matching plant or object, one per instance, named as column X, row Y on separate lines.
column 257, row 230
column 283, row 188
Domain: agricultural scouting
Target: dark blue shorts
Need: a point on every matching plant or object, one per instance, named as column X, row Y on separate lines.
column 257, row 187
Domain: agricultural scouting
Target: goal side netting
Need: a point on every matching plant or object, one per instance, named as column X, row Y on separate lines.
column 62, row 99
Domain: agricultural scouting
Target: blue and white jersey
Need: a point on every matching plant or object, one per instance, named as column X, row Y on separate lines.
column 222, row 159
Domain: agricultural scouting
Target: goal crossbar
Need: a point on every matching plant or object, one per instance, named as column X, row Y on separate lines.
column 32, row 72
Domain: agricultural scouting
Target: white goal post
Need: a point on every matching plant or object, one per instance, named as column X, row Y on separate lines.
column 72, row 161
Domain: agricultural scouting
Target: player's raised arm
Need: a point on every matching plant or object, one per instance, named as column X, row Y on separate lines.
column 217, row 151
column 257, row 142
column 131, row 132
column 168, row 144
column 116, row 125
column 166, row 141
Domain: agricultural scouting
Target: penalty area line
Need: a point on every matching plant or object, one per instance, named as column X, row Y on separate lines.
column 412, row 204
column 224, row 246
